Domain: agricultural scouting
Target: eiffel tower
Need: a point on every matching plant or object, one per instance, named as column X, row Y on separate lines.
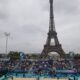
column 52, row 34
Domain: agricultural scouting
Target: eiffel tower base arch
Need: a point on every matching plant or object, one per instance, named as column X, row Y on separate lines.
column 47, row 49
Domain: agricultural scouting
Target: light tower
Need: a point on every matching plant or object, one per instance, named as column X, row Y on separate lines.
column 6, row 35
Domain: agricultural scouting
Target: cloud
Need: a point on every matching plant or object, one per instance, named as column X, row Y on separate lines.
column 66, row 7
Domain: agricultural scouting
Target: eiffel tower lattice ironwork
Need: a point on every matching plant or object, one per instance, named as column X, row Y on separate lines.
column 52, row 34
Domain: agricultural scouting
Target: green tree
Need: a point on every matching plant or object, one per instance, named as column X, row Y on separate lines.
column 14, row 55
column 77, row 56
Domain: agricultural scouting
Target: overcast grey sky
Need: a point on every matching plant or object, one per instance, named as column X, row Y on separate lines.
column 28, row 21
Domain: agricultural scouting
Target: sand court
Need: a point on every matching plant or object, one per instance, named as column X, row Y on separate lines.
column 49, row 79
column 23, row 79
column 38, row 79
column 54, row 79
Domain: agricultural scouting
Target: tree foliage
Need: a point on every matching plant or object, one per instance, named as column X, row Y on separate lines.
column 77, row 56
column 14, row 55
